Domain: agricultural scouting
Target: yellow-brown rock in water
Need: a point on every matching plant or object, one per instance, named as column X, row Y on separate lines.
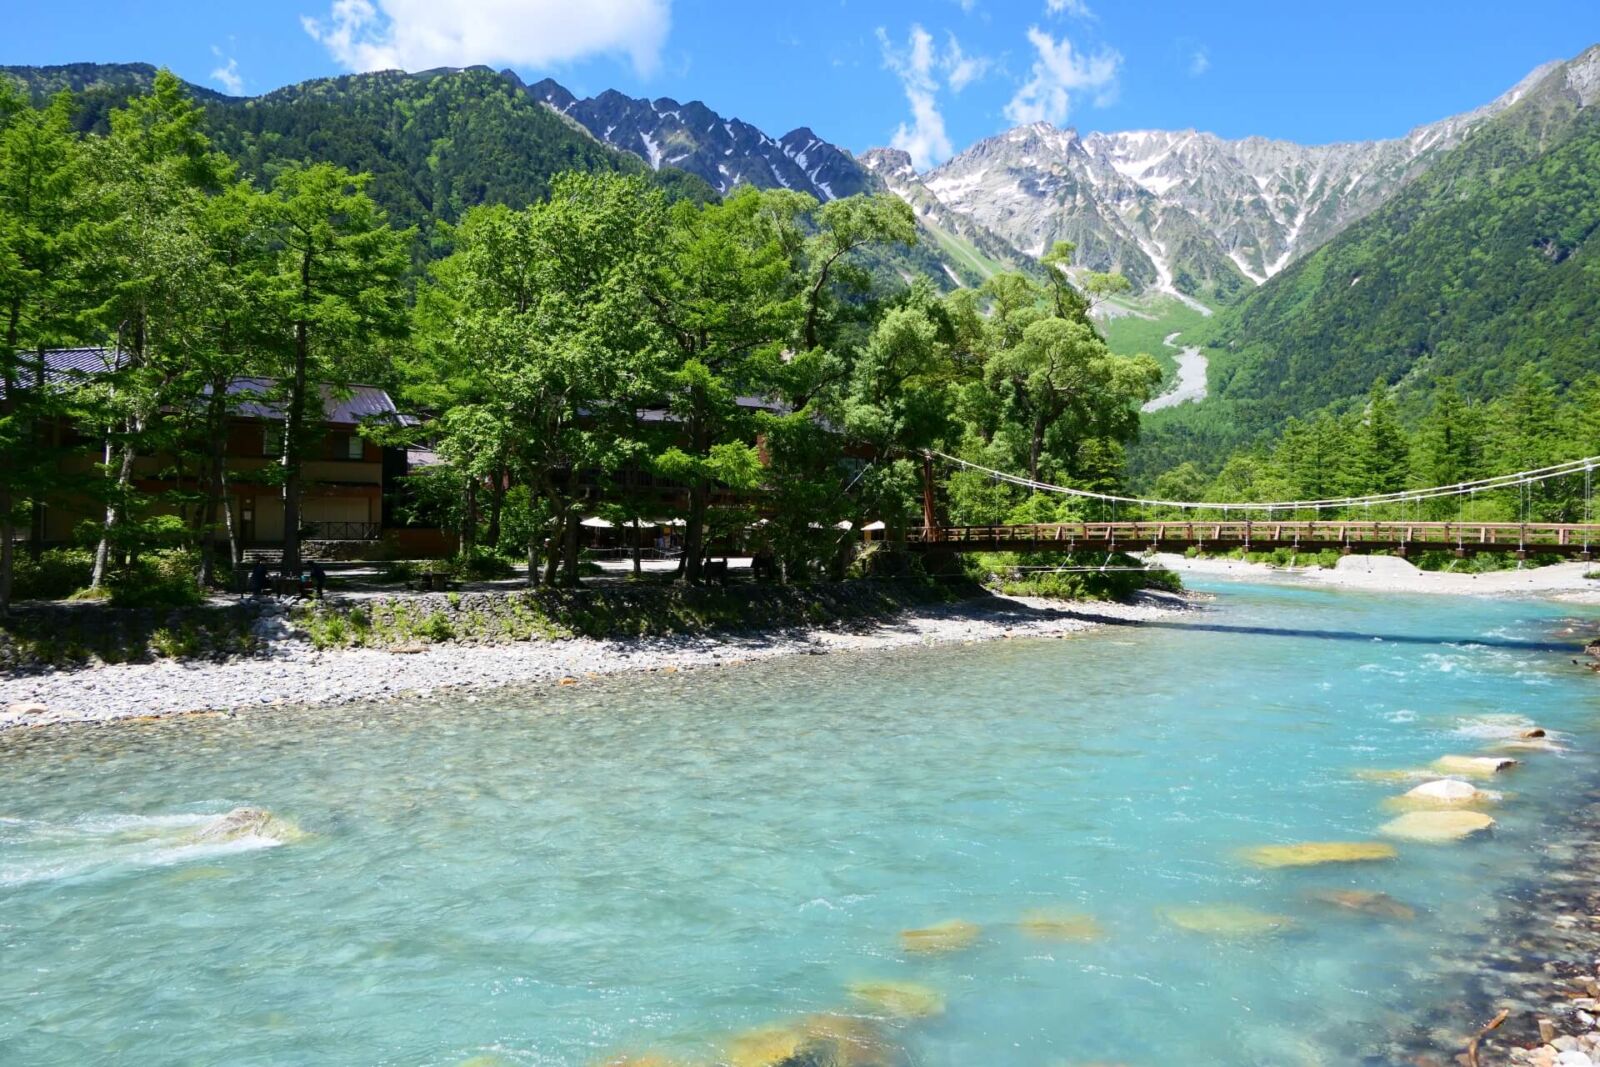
column 1392, row 776
column 847, row 1041
column 766, row 1046
column 1051, row 925
column 649, row 1059
column 1364, row 902
column 1442, row 794
column 899, row 1000
column 1437, row 827
column 1529, row 744
column 1473, row 766
column 952, row 935
column 833, row 1040
column 1230, row 921
column 1314, row 853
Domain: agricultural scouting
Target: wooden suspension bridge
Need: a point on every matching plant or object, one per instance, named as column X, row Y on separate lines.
column 1573, row 540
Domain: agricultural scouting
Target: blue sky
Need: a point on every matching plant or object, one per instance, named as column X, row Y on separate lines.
column 932, row 76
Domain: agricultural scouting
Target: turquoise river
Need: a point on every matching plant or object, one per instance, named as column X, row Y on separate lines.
column 661, row 863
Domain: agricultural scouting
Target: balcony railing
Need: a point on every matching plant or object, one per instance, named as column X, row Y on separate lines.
column 339, row 531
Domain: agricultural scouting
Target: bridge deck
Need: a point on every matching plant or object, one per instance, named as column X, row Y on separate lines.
column 1566, row 539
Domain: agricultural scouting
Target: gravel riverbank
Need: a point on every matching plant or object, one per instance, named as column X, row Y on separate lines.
column 292, row 672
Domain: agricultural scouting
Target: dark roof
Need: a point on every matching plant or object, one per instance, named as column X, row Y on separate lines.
column 342, row 407
column 753, row 403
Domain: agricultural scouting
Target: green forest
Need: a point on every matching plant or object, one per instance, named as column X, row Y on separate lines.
column 525, row 326
column 1478, row 280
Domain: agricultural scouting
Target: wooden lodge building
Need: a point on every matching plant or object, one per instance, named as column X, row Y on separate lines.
column 351, row 485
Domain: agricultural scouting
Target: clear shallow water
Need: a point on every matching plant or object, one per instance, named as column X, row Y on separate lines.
column 563, row 875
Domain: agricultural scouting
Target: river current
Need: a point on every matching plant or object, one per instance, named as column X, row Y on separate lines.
column 662, row 863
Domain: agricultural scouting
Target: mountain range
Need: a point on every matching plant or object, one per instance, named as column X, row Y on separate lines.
column 1466, row 248
column 1182, row 212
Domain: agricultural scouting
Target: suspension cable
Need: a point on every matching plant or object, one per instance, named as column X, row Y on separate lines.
column 1520, row 481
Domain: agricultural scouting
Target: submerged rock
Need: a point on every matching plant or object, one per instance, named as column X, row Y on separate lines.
column 901, row 1000
column 1313, row 853
column 815, row 1041
column 1435, row 827
column 1060, row 925
column 1364, row 902
column 1231, row 921
column 1474, row 766
column 952, row 935
column 247, row 822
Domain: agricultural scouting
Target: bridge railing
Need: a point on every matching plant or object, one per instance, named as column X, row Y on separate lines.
column 1509, row 536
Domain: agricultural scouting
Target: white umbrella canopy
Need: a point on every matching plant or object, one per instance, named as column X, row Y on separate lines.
column 874, row 526
column 666, row 522
column 844, row 524
column 595, row 522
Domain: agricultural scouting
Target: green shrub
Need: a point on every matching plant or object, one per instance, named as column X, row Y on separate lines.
column 55, row 575
column 480, row 565
column 436, row 627
column 164, row 579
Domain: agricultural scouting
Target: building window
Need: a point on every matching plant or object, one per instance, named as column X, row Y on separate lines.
column 272, row 439
column 352, row 446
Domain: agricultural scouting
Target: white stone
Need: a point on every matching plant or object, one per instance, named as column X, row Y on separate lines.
column 26, row 707
column 1573, row 1058
column 1450, row 790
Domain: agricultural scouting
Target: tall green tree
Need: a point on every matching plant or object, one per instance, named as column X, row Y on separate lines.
column 39, row 180
column 726, row 297
column 336, row 296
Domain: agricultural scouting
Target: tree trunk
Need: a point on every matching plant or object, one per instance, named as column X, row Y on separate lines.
column 7, row 549
column 497, row 503
column 569, row 552
column 102, row 551
column 638, row 551
column 469, row 518
column 553, row 544
column 293, row 431
column 36, row 505
column 694, row 532
column 216, row 424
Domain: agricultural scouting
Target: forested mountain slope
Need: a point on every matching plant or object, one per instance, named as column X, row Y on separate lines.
column 1488, row 262
column 435, row 143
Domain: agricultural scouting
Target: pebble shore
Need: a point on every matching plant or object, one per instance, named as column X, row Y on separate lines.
column 291, row 672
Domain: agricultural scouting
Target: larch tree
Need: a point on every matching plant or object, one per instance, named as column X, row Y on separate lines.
column 336, row 294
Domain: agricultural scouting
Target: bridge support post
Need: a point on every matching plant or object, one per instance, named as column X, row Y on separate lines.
column 1346, row 550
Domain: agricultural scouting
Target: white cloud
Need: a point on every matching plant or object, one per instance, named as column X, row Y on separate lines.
column 417, row 34
column 925, row 140
column 1075, row 8
column 1058, row 73
column 922, row 68
column 961, row 70
column 227, row 75
column 1199, row 62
